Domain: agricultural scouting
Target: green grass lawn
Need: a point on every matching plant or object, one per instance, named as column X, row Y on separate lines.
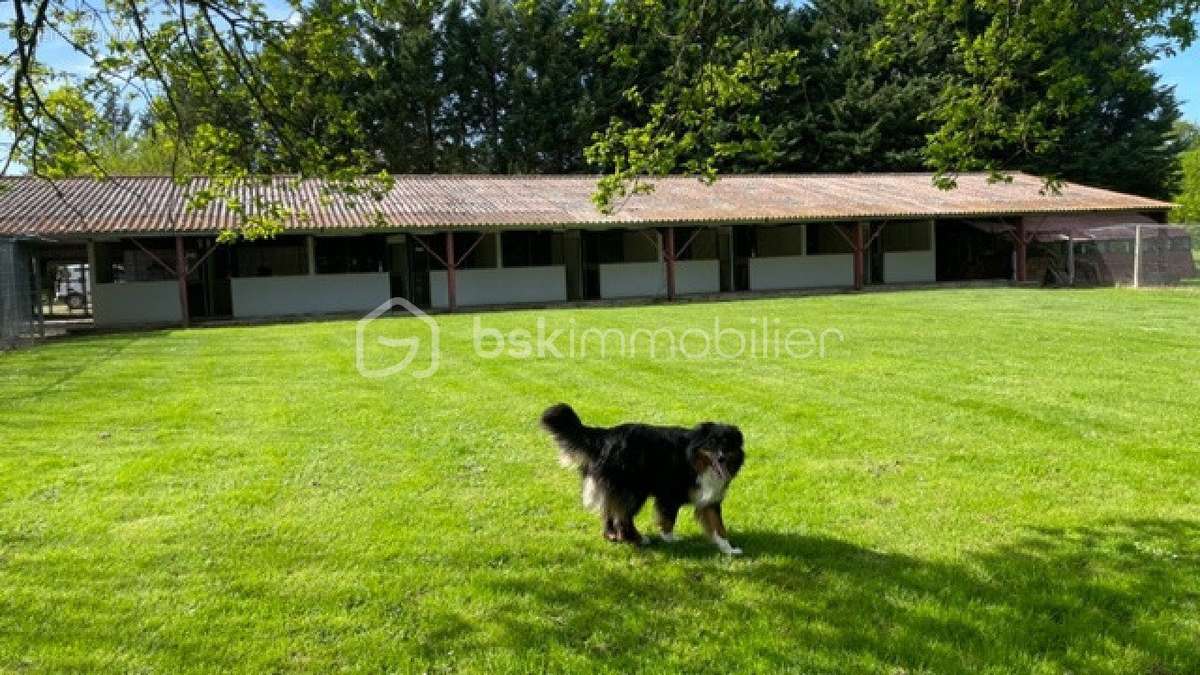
column 973, row 481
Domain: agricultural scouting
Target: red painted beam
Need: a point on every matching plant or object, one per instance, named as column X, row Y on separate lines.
column 669, row 260
column 451, row 267
column 181, row 274
column 1021, row 245
column 859, row 245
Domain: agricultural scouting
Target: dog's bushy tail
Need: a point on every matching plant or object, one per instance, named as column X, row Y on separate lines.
column 569, row 432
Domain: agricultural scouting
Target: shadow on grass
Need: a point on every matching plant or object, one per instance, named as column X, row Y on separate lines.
column 86, row 353
column 1116, row 597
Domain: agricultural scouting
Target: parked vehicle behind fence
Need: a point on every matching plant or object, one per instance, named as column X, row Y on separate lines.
column 70, row 286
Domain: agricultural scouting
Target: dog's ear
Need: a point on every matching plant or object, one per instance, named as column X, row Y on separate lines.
column 700, row 435
column 700, row 444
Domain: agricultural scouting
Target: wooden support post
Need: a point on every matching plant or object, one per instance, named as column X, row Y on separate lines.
column 1070, row 259
column 451, row 280
column 859, row 245
column 669, row 260
column 1137, row 256
column 39, row 310
column 181, row 273
column 91, row 277
column 1021, row 245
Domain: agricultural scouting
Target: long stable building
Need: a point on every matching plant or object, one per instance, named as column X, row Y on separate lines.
column 461, row 241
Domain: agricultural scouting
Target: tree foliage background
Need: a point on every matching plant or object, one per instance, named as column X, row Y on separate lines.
column 354, row 90
column 1188, row 197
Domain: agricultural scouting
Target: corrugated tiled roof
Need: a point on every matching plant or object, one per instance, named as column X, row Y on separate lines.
column 122, row 205
column 1108, row 225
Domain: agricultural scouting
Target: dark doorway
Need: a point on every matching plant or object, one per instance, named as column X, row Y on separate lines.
column 400, row 274
column 209, row 286
column 592, row 243
column 725, row 257
column 419, row 262
column 874, row 254
column 966, row 253
column 572, row 245
column 743, row 245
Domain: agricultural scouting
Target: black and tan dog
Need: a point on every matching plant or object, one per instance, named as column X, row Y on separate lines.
column 623, row 466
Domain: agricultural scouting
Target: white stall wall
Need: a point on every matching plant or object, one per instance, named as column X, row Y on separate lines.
column 696, row 276
column 309, row 294
column 501, row 286
column 140, row 302
column 649, row 279
column 809, row 271
column 632, row 280
column 909, row 267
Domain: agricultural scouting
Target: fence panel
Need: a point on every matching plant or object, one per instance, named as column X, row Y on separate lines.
column 19, row 320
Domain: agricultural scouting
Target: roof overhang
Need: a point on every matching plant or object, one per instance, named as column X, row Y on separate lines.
column 157, row 206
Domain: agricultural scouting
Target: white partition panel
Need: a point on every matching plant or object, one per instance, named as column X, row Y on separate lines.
column 909, row 267
column 808, row 271
column 632, row 280
column 501, row 286
column 309, row 294
column 138, row 302
column 697, row 276
column 649, row 279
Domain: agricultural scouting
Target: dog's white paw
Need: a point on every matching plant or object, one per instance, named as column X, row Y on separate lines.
column 724, row 546
column 670, row 537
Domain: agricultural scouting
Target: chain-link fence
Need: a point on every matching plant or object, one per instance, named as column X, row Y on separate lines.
column 1142, row 254
column 20, row 316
